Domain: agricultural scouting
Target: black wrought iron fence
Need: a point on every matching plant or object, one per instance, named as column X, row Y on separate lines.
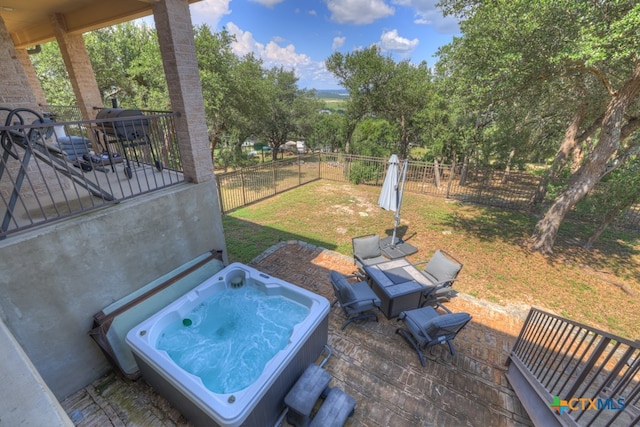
column 248, row 185
column 506, row 190
column 482, row 186
column 566, row 373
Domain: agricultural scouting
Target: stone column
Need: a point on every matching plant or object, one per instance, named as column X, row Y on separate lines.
column 177, row 47
column 32, row 78
column 15, row 92
column 14, row 85
column 76, row 59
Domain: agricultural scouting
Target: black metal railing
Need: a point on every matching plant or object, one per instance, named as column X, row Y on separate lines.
column 567, row 373
column 51, row 169
column 511, row 190
column 248, row 185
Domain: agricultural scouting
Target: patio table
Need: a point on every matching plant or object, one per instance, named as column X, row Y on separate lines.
column 398, row 284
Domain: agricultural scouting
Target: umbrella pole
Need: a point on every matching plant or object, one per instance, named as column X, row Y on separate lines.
column 403, row 179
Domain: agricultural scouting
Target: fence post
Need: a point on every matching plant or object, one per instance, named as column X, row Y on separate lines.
column 299, row 170
column 244, row 196
column 424, row 176
column 220, row 201
column 452, row 171
column 275, row 178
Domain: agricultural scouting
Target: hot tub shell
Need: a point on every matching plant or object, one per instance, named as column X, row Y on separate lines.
column 261, row 403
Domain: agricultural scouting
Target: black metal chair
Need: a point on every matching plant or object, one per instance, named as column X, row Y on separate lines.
column 357, row 300
column 426, row 328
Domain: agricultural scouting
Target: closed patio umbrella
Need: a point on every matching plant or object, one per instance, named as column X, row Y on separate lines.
column 392, row 188
column 388, row 199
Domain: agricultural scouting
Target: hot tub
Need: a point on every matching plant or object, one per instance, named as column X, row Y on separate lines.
column 261, row 402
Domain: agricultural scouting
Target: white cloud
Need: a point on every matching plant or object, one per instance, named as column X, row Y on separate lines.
column 275, row 55
column 427, row 13
column 209, row 12
column 358, row 11
column 391, row 41
column 272, row 53
column 268, row 3
column 338, row 42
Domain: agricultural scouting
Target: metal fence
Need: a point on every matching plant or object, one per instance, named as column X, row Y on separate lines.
column 566, row 373
column 507, row 190
column 50, row 170
column 248, row 185
column 483, row 186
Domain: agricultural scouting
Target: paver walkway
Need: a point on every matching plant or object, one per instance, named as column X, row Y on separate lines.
column 370, row 362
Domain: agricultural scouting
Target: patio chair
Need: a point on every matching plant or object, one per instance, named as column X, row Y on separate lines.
column 426, row 328
column 441, row 271
column 59, row 150
column 357, row 300
column 366, row 251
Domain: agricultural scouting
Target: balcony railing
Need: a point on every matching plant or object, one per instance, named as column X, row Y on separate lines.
column 51, row 170
column 569, row 374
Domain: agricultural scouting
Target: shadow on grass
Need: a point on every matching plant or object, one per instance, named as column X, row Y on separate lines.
column 246, row 240
column 492, row 225
column 401, row 233
column 614, row 252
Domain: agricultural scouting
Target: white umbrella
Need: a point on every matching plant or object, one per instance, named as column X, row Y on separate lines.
column 388, row 199
column 392, row 188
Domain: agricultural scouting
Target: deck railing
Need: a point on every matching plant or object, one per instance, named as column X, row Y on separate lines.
column 50, row 170
column 567, row 374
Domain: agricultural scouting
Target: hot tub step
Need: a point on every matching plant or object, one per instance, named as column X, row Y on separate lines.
column 303, row 395
column 336, row 408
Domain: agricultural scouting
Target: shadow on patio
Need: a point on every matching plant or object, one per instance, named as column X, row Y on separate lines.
column 370, row 362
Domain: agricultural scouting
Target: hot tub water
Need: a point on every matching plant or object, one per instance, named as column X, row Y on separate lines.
column 228, row 339
column 292, row 348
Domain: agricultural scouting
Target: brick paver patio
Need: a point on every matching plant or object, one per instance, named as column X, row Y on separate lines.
column 369, row 361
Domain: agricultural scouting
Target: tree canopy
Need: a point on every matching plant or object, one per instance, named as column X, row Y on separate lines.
column 582, row 55
column 544, row 81
column 378, row 86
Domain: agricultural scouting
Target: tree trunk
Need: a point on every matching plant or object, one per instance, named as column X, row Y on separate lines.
column 578, row 155
column 464, row 171
column 436, row 173
column 568, row 142
column 596, row 234
column 592, row 170
column 609, row 217
column 508, row 168
column 347, row 142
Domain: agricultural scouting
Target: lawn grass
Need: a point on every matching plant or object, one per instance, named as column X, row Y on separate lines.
column 586, row 286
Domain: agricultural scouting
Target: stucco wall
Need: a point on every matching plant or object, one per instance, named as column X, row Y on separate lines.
column 53, row 280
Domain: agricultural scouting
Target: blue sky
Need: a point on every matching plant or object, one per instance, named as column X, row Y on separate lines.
column 300, row 34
